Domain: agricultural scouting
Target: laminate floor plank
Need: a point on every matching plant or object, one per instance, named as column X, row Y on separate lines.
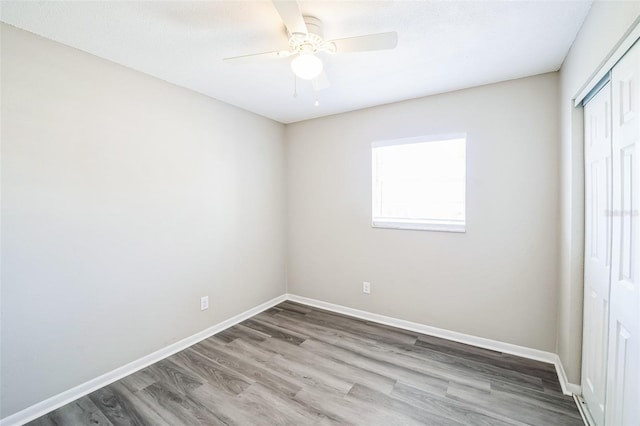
column 483, row 369
column 359, row 353
column 400, row 366
column 511, row 407
column 343, row 411
column 363, row 329
column 303, row 324
column 177, row 408
column 243, row 365
column 298, row 365
column 79, row 412
column 295, row 307
column 240, row 331
column 477, row 416
column 536, row 368
column 123, row 408
column 519, row 398
column 334, row 367
column 275, row 331
column 167, row 372
column 362, row 393
column 137, row 381
column 298, row 413
column 435, row 382
column 563, row 403
column 303, row 374
column 404, row 356
column 336, row 328
column 447, row 361
column 214, row 373
column 228, row 408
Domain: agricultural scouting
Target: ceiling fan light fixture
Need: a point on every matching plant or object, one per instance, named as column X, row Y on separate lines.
column 306, row 66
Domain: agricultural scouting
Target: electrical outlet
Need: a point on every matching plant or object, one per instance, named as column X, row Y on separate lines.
column 366, row 287
column 204, row 303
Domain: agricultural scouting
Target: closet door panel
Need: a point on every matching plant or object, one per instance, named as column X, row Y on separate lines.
column 623, row 391
column 597, row 265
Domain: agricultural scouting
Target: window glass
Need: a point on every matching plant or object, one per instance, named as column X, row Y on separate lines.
column 420, row 184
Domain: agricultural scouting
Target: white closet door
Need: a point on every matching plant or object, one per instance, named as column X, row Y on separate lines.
column 623, row 390
column 597, row 259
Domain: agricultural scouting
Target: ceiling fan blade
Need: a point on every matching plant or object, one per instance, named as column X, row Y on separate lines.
column 291, row 16
column 320, row 82
column 380, row 41
column 259, row 56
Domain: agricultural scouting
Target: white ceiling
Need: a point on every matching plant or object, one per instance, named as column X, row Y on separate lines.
column 443, row 46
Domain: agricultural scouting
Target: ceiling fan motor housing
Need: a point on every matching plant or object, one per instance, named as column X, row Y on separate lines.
column 312, row 41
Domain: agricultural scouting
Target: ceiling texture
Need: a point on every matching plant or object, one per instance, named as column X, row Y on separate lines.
column 442, row 46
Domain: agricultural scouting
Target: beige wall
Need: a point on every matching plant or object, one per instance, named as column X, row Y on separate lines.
column 604, row 27
column 498, row 280
column 124, row 199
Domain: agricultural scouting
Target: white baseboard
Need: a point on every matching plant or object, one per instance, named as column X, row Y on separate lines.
column 535, row 354
column 567, row 387
column 50, row 404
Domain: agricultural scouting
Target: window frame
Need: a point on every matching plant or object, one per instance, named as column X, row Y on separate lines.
column 418, row 224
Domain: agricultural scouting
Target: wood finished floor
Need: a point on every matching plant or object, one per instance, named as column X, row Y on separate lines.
column 297, row 365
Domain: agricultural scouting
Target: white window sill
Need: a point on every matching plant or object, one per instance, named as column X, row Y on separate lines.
column 440, row 226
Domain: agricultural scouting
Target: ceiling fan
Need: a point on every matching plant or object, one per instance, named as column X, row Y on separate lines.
column 306, row 40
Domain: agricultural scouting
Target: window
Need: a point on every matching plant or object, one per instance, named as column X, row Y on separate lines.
column 419, row 183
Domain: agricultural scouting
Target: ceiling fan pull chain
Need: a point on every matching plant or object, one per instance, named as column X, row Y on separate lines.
column 295, row 86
